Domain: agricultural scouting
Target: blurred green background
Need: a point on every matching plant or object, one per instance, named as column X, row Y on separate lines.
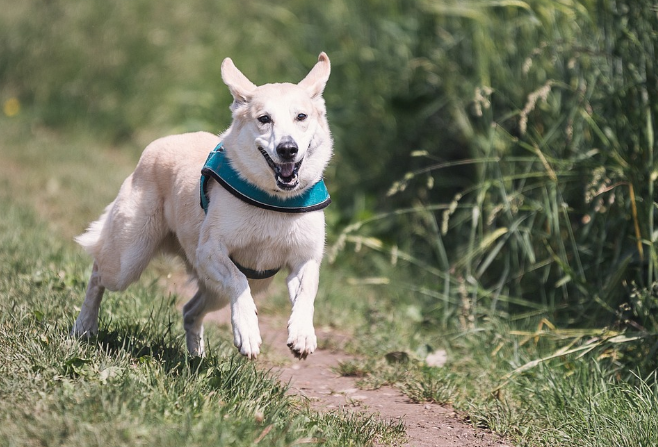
column 494, row 156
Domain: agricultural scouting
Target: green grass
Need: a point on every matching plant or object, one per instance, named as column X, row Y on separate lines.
column 492, row 378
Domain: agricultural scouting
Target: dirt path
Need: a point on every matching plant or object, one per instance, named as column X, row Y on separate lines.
column 426, row 425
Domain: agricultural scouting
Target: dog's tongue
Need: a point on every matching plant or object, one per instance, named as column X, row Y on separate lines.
column 287, row 169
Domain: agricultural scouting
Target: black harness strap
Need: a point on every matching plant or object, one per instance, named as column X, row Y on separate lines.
column 254, row 274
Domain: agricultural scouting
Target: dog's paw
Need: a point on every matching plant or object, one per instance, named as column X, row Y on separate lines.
column 195, row 344
column 246, row 335
column 83, row 328
column 301, row 339
column 247, row 341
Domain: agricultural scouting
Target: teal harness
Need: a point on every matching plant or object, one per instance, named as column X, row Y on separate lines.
column 218, row 167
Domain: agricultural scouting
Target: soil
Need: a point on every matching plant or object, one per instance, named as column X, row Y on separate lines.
column 426, row 425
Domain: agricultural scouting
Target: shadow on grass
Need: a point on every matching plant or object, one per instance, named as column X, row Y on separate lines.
column 137, row 341
column 160, row 339
column 154, row 339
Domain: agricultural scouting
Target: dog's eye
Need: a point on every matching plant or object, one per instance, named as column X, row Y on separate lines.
column 301, row 117
column 265, row 119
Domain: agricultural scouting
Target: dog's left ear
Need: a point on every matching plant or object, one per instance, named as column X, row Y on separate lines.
column 315, row 81
column 241, row 88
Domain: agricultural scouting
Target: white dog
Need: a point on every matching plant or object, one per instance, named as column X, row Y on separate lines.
column 262, row 196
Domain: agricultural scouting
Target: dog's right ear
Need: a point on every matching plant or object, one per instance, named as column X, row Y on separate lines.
column 241, row 88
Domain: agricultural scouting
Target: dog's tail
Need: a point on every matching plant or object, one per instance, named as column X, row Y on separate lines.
column 90, row 239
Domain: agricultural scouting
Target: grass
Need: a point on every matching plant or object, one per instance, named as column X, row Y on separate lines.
column 493, row 380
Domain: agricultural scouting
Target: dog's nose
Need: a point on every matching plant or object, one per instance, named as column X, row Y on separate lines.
column 287, row 149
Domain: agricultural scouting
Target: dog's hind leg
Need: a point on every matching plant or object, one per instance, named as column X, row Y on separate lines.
column 87, row 322
column 193, row 312
column 122, row 242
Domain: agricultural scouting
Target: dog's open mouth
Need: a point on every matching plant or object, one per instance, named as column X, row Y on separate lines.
column 285, row 174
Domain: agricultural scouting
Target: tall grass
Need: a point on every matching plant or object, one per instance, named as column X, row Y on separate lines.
column 549, row 213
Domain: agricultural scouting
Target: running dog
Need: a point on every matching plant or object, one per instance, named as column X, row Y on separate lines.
column 236, row 207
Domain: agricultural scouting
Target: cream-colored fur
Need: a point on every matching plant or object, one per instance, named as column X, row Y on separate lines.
column 157, row 210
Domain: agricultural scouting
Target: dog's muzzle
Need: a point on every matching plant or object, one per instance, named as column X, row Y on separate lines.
column 285, row 174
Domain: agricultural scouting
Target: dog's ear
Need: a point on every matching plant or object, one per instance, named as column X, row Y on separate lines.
column 241, row 88
column 317, row 78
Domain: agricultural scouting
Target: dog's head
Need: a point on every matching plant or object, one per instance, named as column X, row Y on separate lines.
column 279, row 139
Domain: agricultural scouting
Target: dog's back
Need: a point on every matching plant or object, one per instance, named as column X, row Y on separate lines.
column 160, row 197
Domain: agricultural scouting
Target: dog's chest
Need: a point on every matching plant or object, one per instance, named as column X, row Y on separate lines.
column 263, row 240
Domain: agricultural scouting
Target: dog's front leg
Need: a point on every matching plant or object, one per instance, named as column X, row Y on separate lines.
column 303, row 286
column 225, row 281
